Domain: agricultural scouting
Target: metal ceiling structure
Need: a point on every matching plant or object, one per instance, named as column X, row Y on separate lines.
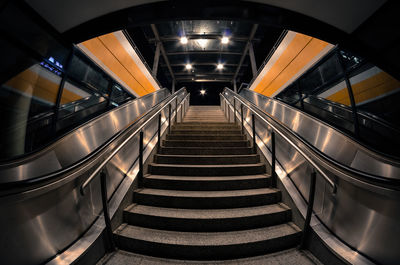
column 203, row 51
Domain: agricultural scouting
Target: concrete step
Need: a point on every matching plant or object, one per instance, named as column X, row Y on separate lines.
column 198, row 220
column 207, row 131
column 205, row 150
column 213, row 183
column 207, row 245
column 206, row 199
column 205, row 143
column 207, row 159
column 205, row 137
column 186, row 126
column 205, row 123
column 206, row 170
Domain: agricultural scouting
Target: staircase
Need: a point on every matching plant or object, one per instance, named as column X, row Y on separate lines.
column 206, row 197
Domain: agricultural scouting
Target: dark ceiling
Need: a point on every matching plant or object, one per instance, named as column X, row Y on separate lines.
column 204, row 51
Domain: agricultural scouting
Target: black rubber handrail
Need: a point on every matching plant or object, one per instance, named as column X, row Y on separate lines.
column 54, row 175
column 351, row 172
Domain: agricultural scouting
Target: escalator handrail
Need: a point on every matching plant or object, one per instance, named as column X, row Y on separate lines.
column 287, row 140
column 351, row 172
column 120, row 146
column 46, row 177
column 387, row 157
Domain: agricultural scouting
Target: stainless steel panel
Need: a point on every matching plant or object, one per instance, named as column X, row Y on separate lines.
column 364, row 216
column 325, row 138
column 42, row 222
column 81, row 142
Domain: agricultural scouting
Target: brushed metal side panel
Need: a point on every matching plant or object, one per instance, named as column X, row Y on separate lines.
column 325, row 138
column 80, row 142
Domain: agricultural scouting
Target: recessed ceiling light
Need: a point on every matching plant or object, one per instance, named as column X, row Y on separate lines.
column 220, row 66
column 184, row 40
column 202, row 92
column 224, row 40
column 202, row 42
column 188, row 66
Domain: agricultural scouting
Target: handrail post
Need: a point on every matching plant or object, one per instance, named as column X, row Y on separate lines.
column 253, row 124
column 109, row 233
column 159, row 132
column 273, row 160
column 241, row 113
column 310, row 207
column 234, row 109
column 182, row 107
column 176, row 110
column 169, row 118
column 140, row 174
column 229, row 112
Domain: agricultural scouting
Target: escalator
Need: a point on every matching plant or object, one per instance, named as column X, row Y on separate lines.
column 46, row 214
column 355, row 210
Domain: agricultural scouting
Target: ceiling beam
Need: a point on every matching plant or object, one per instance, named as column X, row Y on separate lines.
column 164, row 54
column 203, row 52
column 187, row 79
column 204, row 64
column 203, row 74
column 202, row 36
column 246, row 49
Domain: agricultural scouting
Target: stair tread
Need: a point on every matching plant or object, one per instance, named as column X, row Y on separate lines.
column 208, row 238
column 210, row 156
column 206, row 214
column 180, row 147
column 207, row 194
column 207, row 166
column 207, row 178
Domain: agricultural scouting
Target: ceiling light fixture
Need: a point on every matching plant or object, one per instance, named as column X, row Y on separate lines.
column 202, row 92
column 220, row 66
column 184, row 40
column 202, row 42
column 224, row 40
column 188, row 66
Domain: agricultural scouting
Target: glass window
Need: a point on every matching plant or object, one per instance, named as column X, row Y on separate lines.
column 84, row 72
column 118, row 95
column 28, row 95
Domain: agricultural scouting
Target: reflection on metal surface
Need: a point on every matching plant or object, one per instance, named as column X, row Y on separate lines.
column 84, row 141
column 363, row 215
column 46, row 220
column 325, row 138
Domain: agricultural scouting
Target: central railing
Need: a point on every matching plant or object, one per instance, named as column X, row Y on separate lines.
column 228, row 107
column 180, row 108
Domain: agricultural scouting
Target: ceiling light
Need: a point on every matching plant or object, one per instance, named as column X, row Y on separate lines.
column 202, row 92
column 224, row 40
column 220, row 66
column 184, row 40
column 202, row 42
column 188, row 66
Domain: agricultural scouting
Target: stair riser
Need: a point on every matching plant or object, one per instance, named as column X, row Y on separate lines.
column 206, row 202
column 199, row 171
column 205, row 151
column 206, row 137
column 205, row 127
column 207, row 252
column 206, row 225
column 206, row 185
column 218, row 132
column 193, row 160
column 193, row 143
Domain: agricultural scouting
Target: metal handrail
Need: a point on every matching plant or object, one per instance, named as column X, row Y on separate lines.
column 100, row 167
column 275, row 129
